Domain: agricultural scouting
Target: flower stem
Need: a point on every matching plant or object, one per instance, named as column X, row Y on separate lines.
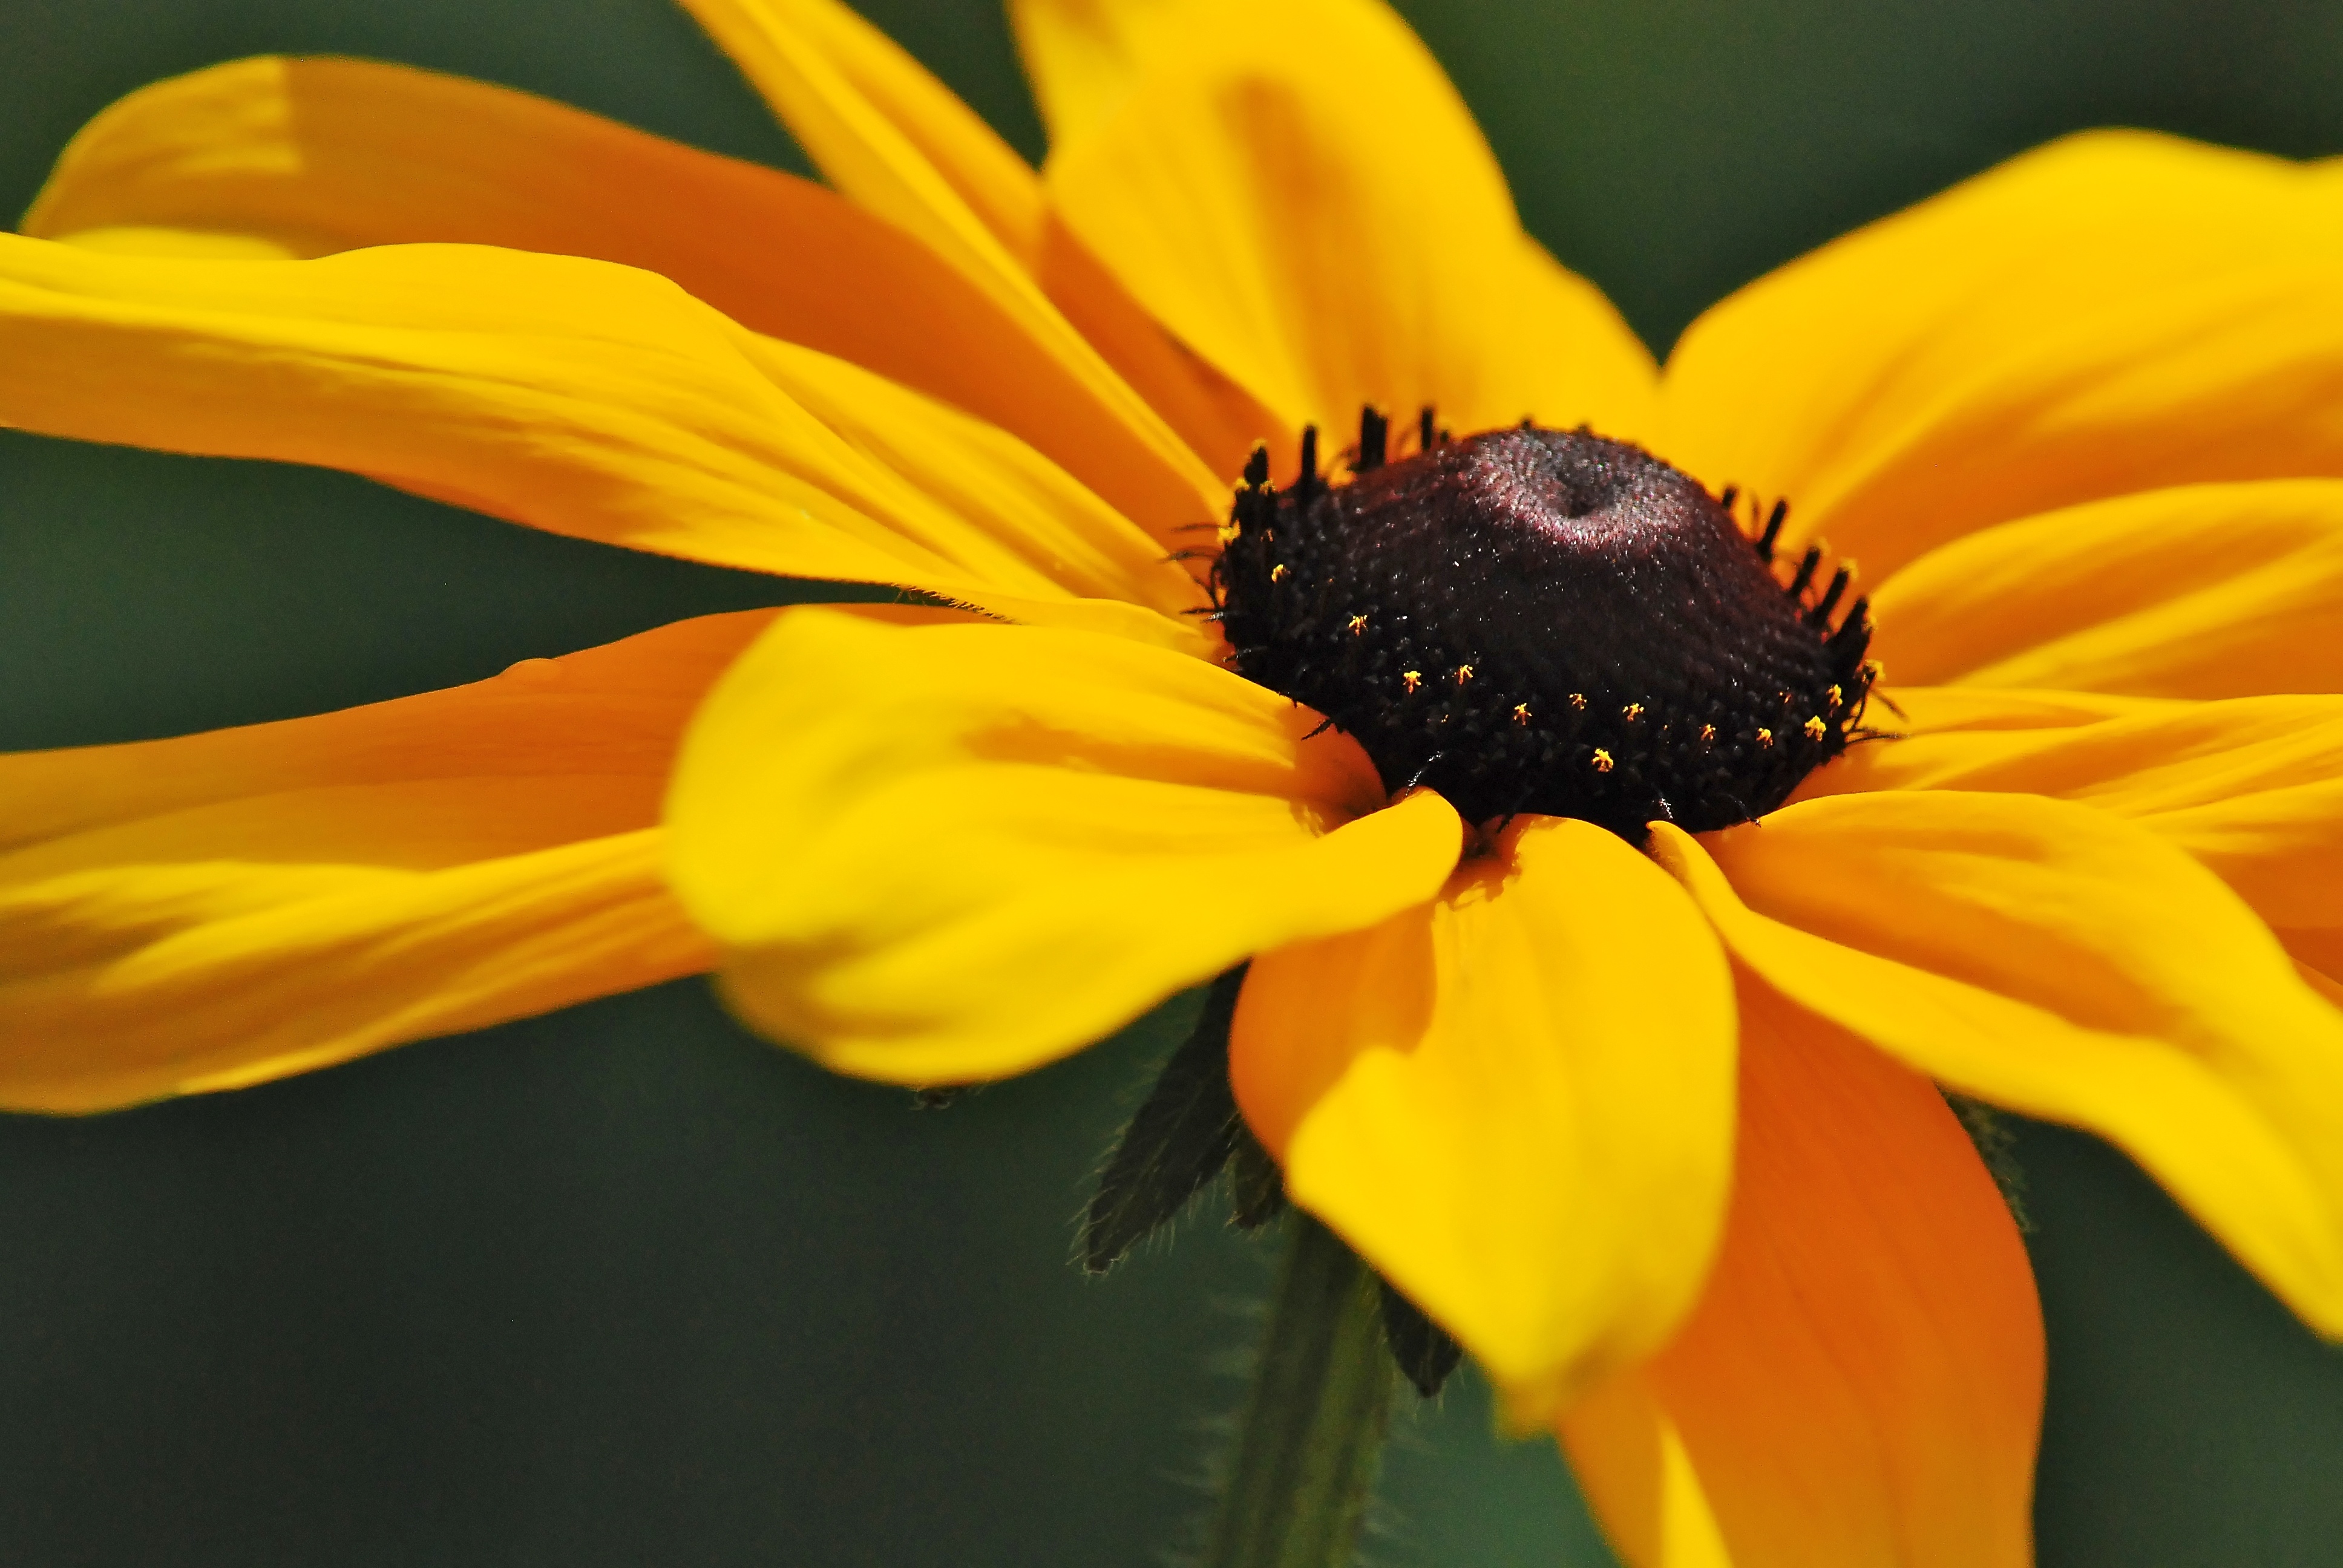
column 1312, row 1428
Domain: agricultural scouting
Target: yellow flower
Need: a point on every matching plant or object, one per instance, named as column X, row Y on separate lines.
column 1655, row 1135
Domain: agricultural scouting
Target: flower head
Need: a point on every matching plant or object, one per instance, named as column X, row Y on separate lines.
column 1543, row 565
column 1605, row 957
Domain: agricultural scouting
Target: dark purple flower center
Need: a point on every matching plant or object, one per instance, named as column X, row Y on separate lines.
column 1543, row 620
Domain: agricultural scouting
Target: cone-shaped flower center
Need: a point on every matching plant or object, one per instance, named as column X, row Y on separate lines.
column 1543, row 620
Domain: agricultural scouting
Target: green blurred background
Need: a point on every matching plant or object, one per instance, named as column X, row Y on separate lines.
column 626, row 1286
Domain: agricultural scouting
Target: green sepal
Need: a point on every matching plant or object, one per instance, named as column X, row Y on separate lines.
column 1426, row 1351
column 1256, row 1185
column 1181, row 1138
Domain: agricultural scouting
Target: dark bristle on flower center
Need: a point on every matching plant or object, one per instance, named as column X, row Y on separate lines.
column 1552, row 621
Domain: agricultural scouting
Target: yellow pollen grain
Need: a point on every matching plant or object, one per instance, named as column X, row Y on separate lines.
column 1277, row 573
column 1358, row 628
column 1765, row 737
column 1463, row 674
column 1578, row 700
column 1837, row 697
column 1411, row 678
column 1707, row 732
column 1877, row 670
column 1229, row 532
column 1521, row 713
column 1815, row 728
column 1601, row 760
column 1632, row 712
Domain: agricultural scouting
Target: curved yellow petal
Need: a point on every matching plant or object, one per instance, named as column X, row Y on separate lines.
column 2251, row 787
column 896, row 142
column 2136, row 760
column 215, row 909
column 1861, row 1383
column 880, row 127
column 2239, row 377
column 951, row 851
column 1298, row 194
column 2114, row 312
column 571, row 395
column 1083, row 56
column 1220, row 421
column 2200, row 591
column 2052, row 958
column 940, row 473
column 303, row 157
column 1515, row 1102
column 1904, row 712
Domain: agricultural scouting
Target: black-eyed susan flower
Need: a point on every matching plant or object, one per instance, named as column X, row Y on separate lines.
column 1612, row 919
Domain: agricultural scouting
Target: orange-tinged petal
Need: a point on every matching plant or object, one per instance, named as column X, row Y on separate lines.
column 945, row 852
column 303, row 157
column 2055, row 959
column 2113, row 312
column 2200, row 591
column 1516, row 1102
column 1298, row 194
column 1860, row 1384
column 131, row 984
column 2318, row 980
column 212, row 910
column 571, row 395
column 896, row 142
column 1638, row 1479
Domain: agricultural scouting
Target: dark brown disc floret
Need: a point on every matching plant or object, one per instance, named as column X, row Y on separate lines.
column 1544, row 620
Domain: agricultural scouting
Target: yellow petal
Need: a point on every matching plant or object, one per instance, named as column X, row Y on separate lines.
column 2201, row 590
column 1220, row 421
column 571, row 395
column 1296, row 192
column 2252, row 789
column 1083, row 56
column 1516, row 1102
column 880, row 126
column 305, row 157
column 946, row 852
column 1860, row 1384
column 2114, row 312
column 2072, row 966
column 2136, row 759
column 1922, row 710
column 940, row 474
column 209, row 911
column 896, row 142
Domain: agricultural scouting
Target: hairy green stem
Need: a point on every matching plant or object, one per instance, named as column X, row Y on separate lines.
column 1312, row 1428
